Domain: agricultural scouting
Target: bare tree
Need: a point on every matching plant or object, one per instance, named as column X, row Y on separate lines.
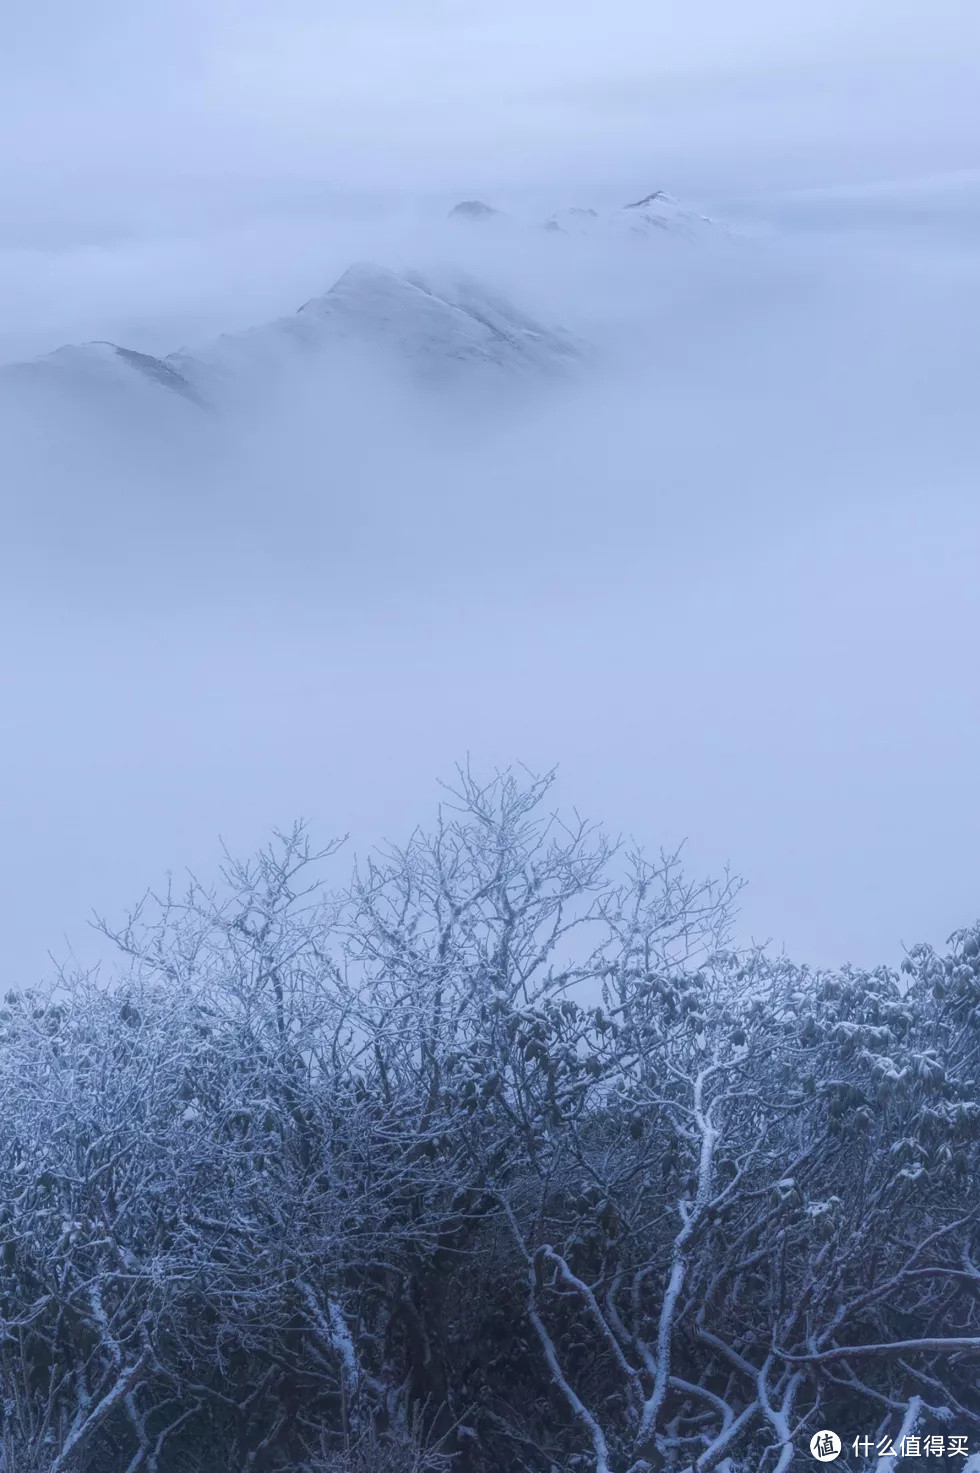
column 497, row 1156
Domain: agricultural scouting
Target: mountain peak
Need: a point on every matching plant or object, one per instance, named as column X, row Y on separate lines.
column 649, row 199
column 360, row 280
column 101, row 365
column 655, row 215
column 472, row 209
column 436, row 328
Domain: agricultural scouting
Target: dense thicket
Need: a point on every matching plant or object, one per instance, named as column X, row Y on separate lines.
column 500, row 1160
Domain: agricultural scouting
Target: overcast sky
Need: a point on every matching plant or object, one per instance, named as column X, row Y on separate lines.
column 802, row 701
column 175, row 170
column 138, row 117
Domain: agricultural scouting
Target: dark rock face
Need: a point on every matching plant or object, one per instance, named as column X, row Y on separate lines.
column 649, row 199
column 159, row 371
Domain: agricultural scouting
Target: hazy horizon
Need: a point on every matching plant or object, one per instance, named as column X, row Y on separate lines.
column 724, row 580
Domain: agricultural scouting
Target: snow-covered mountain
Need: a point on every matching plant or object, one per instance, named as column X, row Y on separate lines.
column 442, row 328
column 652, row 216
column 655, row 215
column 432, row 330
column 100, row 370
column 474, row 209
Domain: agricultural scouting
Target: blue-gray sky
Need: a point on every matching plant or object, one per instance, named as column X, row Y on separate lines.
column 172, row 170
column 734, row 598
column 129, row 115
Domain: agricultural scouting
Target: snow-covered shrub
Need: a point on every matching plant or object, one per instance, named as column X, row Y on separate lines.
column 503, row 1145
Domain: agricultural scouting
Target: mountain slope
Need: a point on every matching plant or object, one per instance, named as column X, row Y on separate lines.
column 654, row 215
column 433, row 331
column 474, row 209
column 100, row 368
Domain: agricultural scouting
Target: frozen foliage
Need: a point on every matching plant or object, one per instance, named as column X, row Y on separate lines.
column 496, row 1159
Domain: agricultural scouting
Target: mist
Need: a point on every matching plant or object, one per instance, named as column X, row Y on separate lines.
column 722, row 575
column 488, row 581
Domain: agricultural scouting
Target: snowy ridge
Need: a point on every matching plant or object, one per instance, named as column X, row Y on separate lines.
column 654, row 215
column 474, row 209
column 434, row 326
column 100, row 367
column 434, row 330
